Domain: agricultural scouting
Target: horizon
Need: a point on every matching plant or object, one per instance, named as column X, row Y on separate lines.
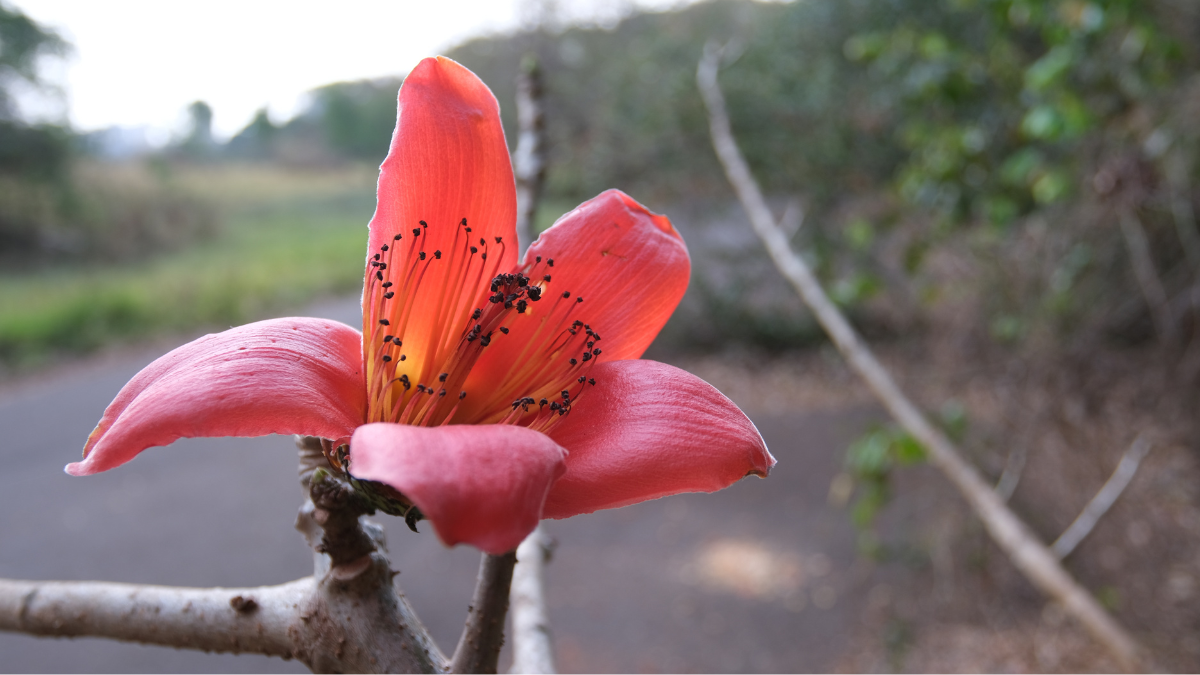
column 100, row 83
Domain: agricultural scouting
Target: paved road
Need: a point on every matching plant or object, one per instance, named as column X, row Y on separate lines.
column 757, row 578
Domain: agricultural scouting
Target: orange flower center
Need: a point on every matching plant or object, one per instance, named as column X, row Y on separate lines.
column 478, row 306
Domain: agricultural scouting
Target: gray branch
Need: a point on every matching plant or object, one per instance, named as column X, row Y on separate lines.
column 1104, row 499
column 348, row 617
column 532, row 649
column 254, row 620
column 483, row 635
column 531, row 634
column 1014, row 537
column 529, row 164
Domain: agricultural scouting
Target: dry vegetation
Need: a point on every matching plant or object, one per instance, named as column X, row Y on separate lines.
column 941, row 596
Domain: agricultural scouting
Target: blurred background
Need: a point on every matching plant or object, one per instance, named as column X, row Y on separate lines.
column 1001, row 194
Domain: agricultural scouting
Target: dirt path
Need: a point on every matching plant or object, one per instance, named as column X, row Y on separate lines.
column 760, row 577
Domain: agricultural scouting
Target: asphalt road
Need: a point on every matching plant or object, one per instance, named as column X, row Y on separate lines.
column 759, row 577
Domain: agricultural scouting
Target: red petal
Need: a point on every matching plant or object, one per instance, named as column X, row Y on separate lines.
column 448, row 161
column 628, row 264
column 648, row 430
column 283, row 376
column 630, row 267
column 479, row 485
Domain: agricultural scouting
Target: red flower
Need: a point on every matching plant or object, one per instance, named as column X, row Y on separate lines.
column 489, row 392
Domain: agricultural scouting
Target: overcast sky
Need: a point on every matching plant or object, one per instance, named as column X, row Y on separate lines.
column 141, row 62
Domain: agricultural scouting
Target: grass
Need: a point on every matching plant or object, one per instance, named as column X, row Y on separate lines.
column 288, row 238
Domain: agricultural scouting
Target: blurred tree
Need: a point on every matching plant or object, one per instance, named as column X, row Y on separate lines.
column 23, row 44
column 357, row 118
column 257, row 140
column 198, row 143
column 38, row 151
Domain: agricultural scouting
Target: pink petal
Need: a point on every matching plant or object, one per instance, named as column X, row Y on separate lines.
column 628, row 264
column 448, row 161
column 630, row 267
column 479, row 485
column 283, row 376
column 648, row 430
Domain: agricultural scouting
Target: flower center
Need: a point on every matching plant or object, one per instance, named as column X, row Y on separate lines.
column 476, row 305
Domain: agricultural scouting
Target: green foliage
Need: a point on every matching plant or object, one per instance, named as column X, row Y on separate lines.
column 276, row 252
column 872, row 460
column 98, row 214
column 38, row 152
column 257, row 140
column 994, row 100
column 23, row 44
column 357, row 118
column 198, row 144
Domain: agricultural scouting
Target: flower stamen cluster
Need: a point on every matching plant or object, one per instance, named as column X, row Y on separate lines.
column 554, row 363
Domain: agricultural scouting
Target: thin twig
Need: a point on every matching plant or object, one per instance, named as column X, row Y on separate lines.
column 1031, row 556
column 478, row 649
column 1007, row 485
column 1104, row 499
column 1147, row 275
column 529, row 165
column 532, row 649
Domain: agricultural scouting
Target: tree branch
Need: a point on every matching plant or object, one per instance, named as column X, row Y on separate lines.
column 1104, row 499
column 532, row 649
column 1014, row 537
column 529, row 164
column 483, row 635
column 251, row 620
column 348, row 617
column 530, row 632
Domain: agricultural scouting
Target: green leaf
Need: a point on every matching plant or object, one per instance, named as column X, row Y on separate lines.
column 909, row 451
column 1050, row 187
column 1042, row 122
column 860, row 233
column 1047, row 70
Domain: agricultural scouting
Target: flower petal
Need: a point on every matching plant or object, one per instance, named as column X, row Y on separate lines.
column 630, row 267
column 448, row 161
column 628, row 264
column 283, row 376
column 648, row 430
column 480, row 485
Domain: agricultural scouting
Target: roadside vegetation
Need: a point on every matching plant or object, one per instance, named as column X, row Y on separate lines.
column 270, row 253
column 1000, row 194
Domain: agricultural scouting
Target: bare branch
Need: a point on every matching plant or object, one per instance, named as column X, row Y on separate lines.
column 792, row 218
column 532, row 649
column 529, row 164
column 531, row 634
column 348, row 617
column 1007, row 485
column 1104, row 499
column 478, row 649
column 1031, row 556
column 237, row 620
column 1147, row 275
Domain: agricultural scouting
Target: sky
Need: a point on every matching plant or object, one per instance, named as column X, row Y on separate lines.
column 140, row 63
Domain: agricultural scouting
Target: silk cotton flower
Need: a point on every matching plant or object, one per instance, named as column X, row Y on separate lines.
column 487, row 391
